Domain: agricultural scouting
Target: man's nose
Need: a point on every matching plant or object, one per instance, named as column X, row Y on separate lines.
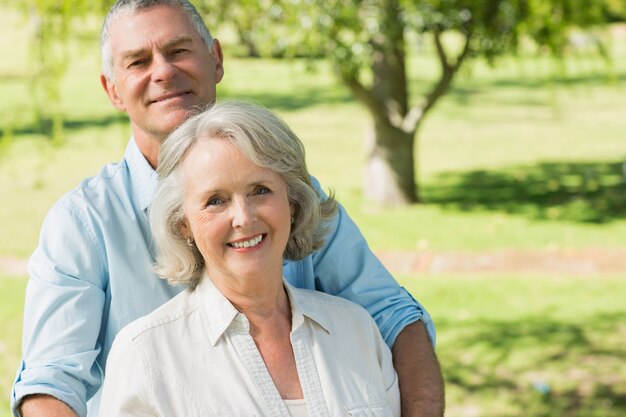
column 163, row 70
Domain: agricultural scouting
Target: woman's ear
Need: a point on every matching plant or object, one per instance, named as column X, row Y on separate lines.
column 185, row 231
column 292, row 211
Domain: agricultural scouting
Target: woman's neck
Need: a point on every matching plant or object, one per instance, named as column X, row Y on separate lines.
column 261, row 299
column 270, row 328
column 265, row 306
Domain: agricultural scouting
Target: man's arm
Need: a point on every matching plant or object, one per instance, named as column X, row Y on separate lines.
column 44, row 406
column 62, row 317
column 345, row 266
column 421, row 382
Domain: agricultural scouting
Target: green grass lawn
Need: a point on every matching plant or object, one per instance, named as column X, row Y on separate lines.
column 514, row 346
column 11, row 307
column 508, row 346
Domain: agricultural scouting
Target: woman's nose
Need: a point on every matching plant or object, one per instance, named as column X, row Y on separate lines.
column 243, row 213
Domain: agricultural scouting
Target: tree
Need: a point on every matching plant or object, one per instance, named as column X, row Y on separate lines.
column 366, row 40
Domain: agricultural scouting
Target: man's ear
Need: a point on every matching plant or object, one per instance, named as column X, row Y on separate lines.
column 218, row 60
column 111, row 90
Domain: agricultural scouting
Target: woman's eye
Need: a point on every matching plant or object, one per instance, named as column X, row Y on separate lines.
column 215, row 201
column 263, row 190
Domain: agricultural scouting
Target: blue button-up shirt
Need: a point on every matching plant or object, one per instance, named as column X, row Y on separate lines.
column 91, row 275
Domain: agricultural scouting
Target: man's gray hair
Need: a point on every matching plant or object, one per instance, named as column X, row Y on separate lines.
column 133, row 6
column 268, row 142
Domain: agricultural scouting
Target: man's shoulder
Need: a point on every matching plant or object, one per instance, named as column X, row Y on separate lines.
column 113, row 179
column 98, row 197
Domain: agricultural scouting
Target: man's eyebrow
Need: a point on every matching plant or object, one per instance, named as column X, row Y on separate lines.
column 131, row 54
column 134, row 53
column 176, row 40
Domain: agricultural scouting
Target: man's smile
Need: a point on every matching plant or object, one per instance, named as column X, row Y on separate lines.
column 169, row 96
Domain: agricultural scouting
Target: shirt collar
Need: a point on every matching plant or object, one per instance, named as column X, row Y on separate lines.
column 221, row 314
column 301, row 307
column 143, row 176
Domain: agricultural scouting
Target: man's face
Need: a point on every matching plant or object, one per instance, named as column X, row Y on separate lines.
column 162, row 69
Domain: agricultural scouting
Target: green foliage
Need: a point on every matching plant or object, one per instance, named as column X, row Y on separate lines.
column 51, row 24
column 615, row 10
column 347, row 31
column 500, row 27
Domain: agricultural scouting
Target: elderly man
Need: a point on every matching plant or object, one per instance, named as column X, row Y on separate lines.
column 91, row 272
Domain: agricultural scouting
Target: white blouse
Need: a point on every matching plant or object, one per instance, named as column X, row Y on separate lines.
column 296, row 408
column 194, row 356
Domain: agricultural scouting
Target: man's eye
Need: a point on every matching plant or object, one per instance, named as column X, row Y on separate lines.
column 179, row 51
column 137, row 63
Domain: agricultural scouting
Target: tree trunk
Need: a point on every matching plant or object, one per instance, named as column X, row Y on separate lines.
column 247, row 38
column 389, row 173
column 390, row 166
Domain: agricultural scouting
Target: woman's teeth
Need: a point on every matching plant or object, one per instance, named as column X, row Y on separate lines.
column 248, row 243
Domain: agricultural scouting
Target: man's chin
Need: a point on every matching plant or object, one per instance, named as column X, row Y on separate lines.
column 166, row 118
column 175, row 118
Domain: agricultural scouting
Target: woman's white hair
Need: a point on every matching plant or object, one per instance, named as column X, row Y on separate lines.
column 133, row 6
column 268, row 142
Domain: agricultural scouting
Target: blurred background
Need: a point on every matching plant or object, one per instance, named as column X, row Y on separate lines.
column 501, row 205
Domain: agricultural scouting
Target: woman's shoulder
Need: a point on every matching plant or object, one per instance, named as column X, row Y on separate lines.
column 328, row 305
column 349, row 323
column 164, row 319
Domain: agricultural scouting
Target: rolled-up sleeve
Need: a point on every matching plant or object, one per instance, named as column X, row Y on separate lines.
column 359, row 276
column 63, row 312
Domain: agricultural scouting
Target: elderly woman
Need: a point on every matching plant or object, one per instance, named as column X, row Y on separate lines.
column 234, row 198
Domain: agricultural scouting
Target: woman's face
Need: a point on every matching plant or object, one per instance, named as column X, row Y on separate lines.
column 237, row 213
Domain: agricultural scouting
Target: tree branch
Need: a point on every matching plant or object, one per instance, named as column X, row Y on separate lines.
column 412, row 119
column 360, row 92
column 448, row 70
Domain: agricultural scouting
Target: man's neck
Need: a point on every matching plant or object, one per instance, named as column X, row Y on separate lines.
column 149, row 147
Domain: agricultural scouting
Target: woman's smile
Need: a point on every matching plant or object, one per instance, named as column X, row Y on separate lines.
column 255, row 242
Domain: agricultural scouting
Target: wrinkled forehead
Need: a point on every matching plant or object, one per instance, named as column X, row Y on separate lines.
column 153, row 25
